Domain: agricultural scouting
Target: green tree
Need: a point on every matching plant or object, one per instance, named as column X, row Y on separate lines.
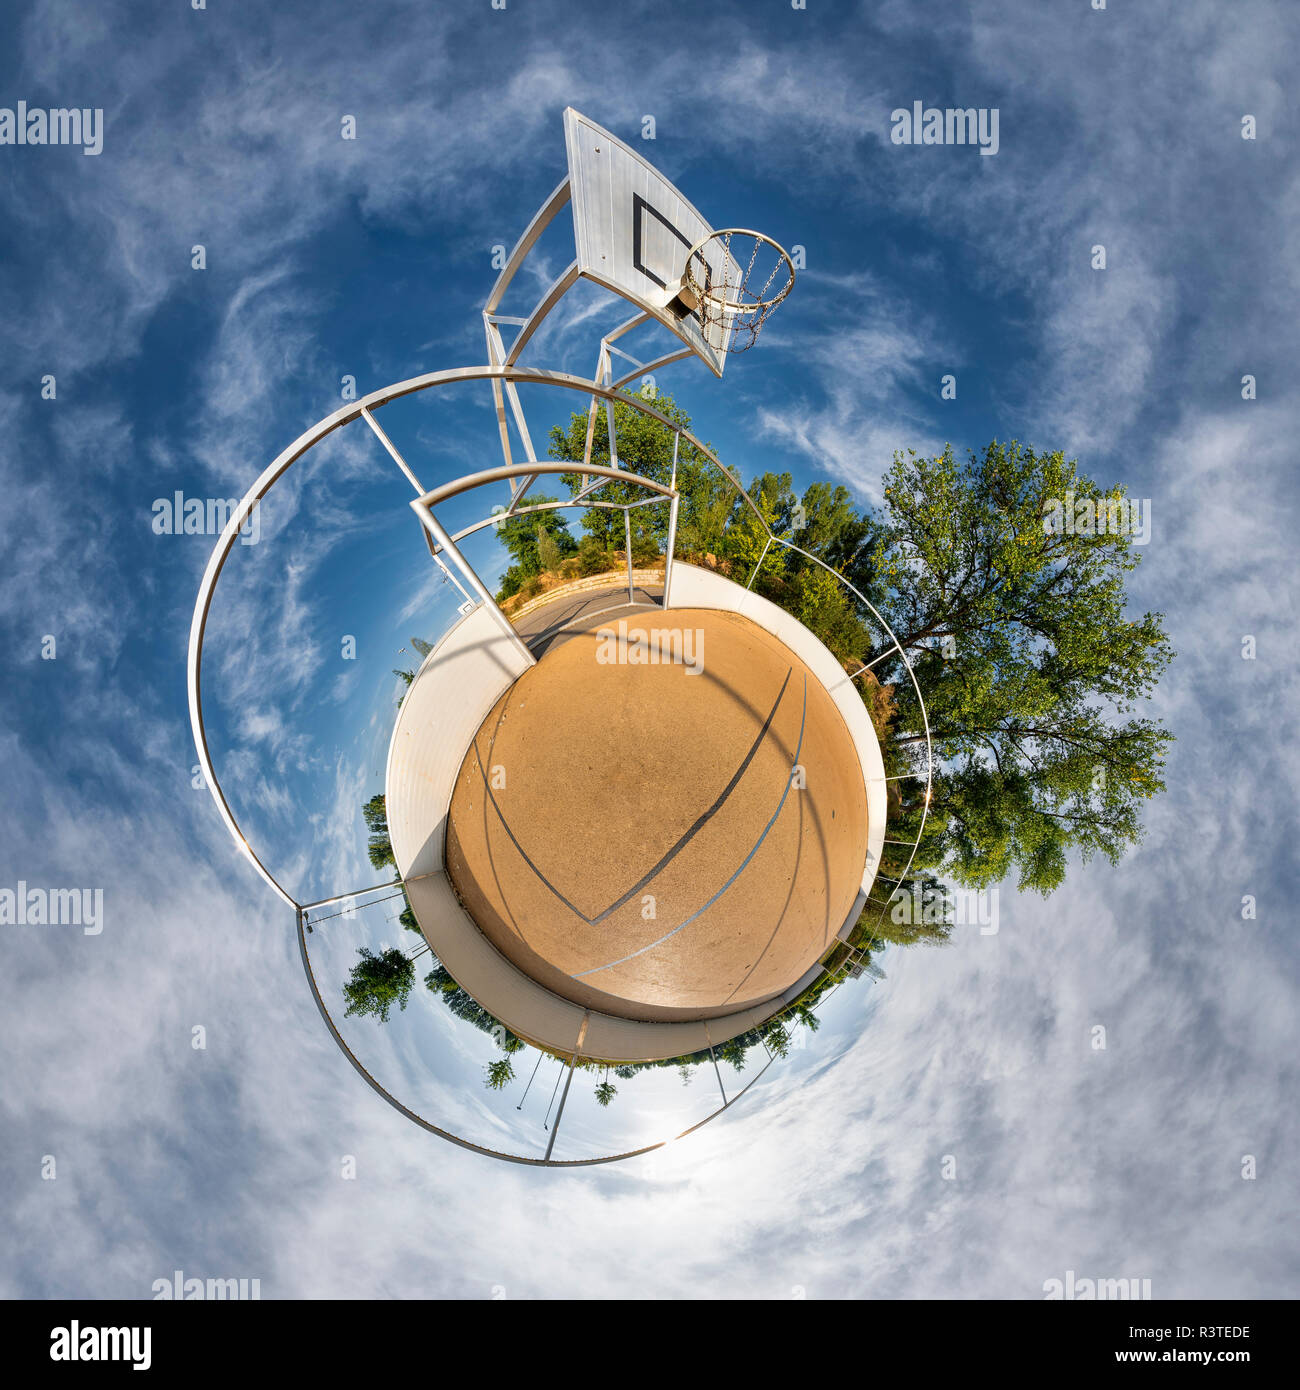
column 407, row 915
column 593, row 558
column 520, row 534
column 406, row 677
column 377, row 983
column 380, row 847
column 827, row 524
column 645, row 447
column 439, row 981
column 549, row 554
column 500, row 1074
column 918, row 912
column 1031, row 672
column 1030, row 669
column 826, row 608
column 747, row 542
column 777, row 1037
column 804, row 1015
column 423, row 648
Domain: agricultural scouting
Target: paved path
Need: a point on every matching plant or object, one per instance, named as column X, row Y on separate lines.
column 541, row 628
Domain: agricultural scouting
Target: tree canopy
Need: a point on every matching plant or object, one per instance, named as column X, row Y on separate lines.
column 1031, row 669
column 377, row 983
column 536, row 541
column 379, row 847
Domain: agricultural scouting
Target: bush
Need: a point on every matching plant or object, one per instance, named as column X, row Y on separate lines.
column 510, row 583
column 824, row 607
column 593, row 557
column 645, row 550
column 549, row 554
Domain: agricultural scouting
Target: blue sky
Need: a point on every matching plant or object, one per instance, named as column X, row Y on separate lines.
column 371, row 258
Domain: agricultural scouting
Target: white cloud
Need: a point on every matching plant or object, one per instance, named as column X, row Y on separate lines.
column 1115, row 1163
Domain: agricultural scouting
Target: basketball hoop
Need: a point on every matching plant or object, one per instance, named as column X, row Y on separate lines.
column 740, row 301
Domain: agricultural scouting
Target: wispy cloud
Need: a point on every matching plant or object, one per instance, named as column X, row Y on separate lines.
column 1120, row 128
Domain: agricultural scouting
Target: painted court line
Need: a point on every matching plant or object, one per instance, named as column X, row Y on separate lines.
column 689, row 834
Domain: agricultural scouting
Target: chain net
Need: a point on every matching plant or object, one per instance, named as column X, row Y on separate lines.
column 757, row 274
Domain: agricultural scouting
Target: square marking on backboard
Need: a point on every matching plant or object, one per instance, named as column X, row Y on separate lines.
column 633, row 230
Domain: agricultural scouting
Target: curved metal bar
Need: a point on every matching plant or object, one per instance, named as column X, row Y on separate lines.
column 410, row 1114
column 470, row 481
column 925, row 718
column 626, row 326
column 285, row 460
column 564, row 282
column 381, row 1091
column 496, row 517
column 195, row 657
column 542, row 219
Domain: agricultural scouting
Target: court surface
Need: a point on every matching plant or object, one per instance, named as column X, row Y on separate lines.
column 661, row 839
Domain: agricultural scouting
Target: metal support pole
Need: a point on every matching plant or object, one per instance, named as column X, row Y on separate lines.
column 437, row 560
column 609, row 414
column 445, row 543
column 889, row 651
column 531, row 1079
column 392, row 452
column 672, row 541
column 546, row 1119
column 759, row 566
column 413, row 480
column 573, row 1062
column 627, row 531
column 718, row 1074
column 559, row 1114
column 356, row 893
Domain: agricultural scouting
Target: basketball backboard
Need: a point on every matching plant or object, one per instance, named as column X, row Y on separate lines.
column 634, row 230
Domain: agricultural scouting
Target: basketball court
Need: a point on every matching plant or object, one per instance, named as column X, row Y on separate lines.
column 661, row 839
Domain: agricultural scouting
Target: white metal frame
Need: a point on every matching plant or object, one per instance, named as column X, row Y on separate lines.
column 505, row 373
